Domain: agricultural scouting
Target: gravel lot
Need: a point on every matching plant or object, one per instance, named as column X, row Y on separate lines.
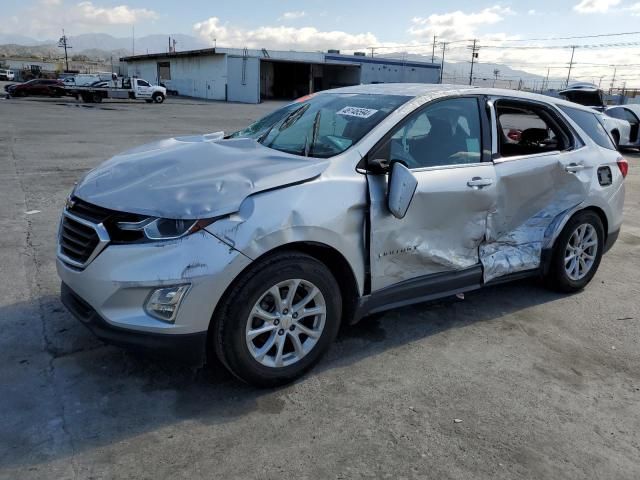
column 546, row 386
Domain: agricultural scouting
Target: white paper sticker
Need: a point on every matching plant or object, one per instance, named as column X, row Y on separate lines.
column 357, row 112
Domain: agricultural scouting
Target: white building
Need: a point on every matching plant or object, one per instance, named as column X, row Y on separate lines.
column 249, row 76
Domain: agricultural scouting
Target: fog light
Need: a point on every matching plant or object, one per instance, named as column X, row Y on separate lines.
column 163, row 303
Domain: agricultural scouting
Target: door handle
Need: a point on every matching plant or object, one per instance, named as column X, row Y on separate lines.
column 477, row 182
column 574, row 167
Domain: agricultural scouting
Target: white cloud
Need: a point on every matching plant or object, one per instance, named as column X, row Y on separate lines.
column 46, row 18
column 281, row 37
column 293, row 15
column 634, row 9
column 458, row 24
column 531, row 12
column 595, row 6
column 87, row 12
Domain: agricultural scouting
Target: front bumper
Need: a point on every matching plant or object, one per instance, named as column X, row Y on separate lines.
column 190, row 348
column 110, row 293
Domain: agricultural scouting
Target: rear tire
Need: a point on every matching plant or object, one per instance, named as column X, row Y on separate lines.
column 616, row 138
column 260, row 359
column 577, row 253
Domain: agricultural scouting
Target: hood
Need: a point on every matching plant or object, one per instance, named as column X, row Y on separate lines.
column 200, row 176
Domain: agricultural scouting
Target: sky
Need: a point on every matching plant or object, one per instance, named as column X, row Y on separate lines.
column 400, row 26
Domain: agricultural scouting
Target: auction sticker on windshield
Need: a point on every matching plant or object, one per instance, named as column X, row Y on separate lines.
column 357, row 112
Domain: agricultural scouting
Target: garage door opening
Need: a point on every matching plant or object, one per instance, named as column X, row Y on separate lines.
column 283, row 80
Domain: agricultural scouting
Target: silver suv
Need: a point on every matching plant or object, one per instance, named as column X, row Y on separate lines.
column 256, row 246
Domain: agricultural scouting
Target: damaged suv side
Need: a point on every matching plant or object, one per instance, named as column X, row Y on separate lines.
column 256, row 246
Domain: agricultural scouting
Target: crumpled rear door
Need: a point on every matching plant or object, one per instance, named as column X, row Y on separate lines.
column 533, row 193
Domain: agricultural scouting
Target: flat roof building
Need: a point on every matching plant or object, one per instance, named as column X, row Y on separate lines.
column 250, row 76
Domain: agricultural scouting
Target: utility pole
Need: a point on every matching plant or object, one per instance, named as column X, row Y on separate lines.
column 444, row 48
column 372, row 51
column 613, row 80
column 64, row 43
column 496, row 72
column 133, row 40
column 474, row 55
column 573, row 50
column 433, row 50
column 545, row 85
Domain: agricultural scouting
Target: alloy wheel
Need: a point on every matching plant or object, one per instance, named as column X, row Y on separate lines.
column 286, row 323
column 581, row 250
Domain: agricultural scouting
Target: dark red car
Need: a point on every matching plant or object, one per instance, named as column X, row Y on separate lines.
column 37, row 86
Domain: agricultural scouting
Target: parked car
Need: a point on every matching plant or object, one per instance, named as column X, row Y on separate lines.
column 36, row 87
column 7, row 75
column 87, row 79
column 590, row 95
column 256, row 246
column 631, row 114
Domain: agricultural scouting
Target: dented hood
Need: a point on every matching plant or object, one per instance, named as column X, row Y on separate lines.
column 200, row 176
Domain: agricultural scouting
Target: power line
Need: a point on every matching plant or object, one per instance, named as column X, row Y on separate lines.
column 562, row 38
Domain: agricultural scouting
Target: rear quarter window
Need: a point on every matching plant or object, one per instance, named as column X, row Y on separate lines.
column 591, row 125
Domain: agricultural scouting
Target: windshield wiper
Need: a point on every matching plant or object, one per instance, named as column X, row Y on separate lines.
column 285, row 123
column 308, row 146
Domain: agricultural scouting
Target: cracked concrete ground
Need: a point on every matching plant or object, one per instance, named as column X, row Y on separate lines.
column 546, row 385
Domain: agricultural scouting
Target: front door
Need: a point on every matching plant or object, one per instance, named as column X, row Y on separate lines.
column 442, row 144
column 143, row 89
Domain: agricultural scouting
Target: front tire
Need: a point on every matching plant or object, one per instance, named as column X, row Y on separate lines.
column 577, row 253
column 278, row 319
column 158, row 97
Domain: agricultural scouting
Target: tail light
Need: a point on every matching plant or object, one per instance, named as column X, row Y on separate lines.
column 623, row 165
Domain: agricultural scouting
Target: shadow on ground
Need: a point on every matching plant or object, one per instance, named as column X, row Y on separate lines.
column 104, row 395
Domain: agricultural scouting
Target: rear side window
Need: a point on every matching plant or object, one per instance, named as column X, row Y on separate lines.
column 591, row 125
column 527, row 129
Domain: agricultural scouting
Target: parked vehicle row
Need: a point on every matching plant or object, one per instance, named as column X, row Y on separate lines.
column 254, row 247
column 90, row 88
column 621, row 121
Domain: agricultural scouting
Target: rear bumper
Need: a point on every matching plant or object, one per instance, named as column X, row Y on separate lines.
column 187, row 348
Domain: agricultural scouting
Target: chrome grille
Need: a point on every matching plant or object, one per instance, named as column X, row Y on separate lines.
column 82, row 234
column 77, row 241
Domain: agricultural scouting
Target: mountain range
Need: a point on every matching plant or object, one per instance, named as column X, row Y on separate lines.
column 102, row 46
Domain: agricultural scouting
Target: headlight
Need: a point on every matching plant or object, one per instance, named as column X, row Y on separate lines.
column 164, row 228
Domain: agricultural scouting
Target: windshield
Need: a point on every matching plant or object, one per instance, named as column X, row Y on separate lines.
column 322, row 125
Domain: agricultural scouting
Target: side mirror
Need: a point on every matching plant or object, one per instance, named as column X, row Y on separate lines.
column 402, row 186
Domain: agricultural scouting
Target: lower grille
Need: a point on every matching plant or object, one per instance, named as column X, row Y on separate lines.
column 75, row 304
column 77, row 240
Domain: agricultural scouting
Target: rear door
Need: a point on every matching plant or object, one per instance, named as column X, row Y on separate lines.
column 623, row 113
column 442, row 145
column 542, row 170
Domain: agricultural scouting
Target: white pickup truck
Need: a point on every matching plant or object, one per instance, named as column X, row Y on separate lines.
column 123, row 88
column 7, row 75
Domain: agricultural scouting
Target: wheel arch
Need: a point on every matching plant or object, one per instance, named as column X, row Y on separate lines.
column 547, row 252
column 326, row 254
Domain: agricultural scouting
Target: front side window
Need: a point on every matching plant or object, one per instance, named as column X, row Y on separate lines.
column 592, row 126
column 527, row 129
column 444, row 133
column 322, row 125
column 143, row 83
